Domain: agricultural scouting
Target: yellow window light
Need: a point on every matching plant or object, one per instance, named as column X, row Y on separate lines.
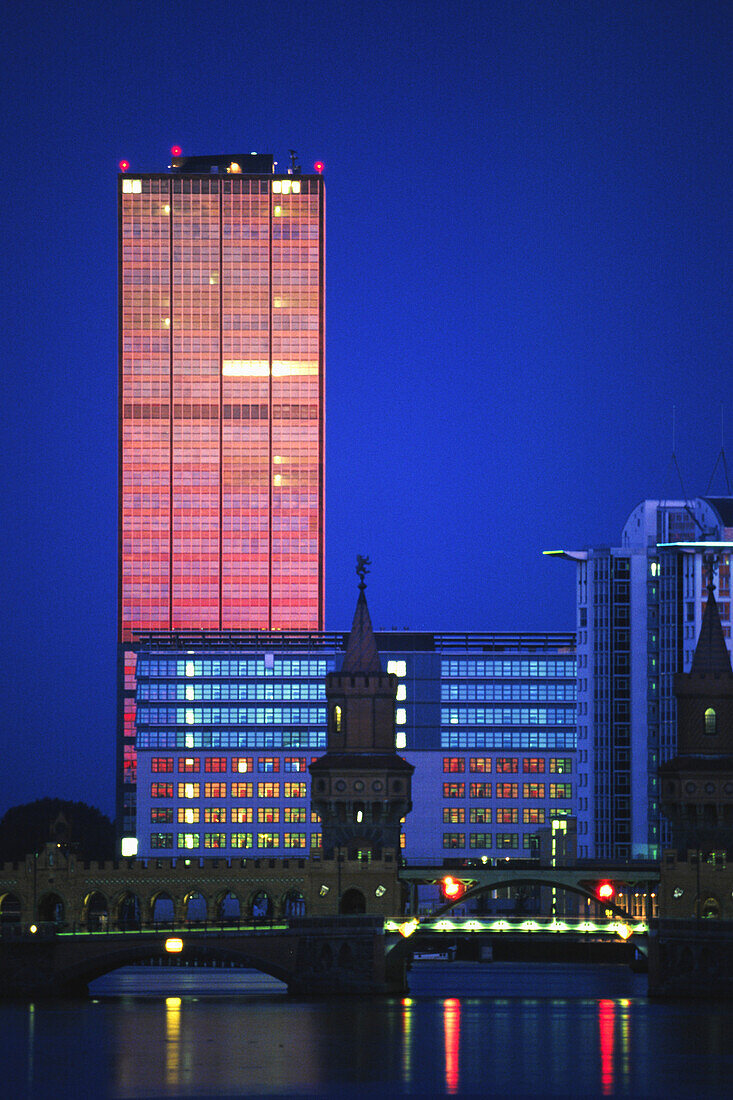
column 173, row 945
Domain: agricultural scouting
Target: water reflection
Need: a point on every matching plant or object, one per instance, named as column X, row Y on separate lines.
column 406, row 1039
column 452, row 1037
column 606, row 1025
column 172, row 1041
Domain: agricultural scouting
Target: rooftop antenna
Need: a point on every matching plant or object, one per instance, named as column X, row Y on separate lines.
column 704, row 531
column 722, row 459
column 294, row 166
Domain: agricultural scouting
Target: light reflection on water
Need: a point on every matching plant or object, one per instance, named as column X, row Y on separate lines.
column 465, row 1028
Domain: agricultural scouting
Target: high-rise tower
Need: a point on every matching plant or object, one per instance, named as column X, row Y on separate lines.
column 221, row 398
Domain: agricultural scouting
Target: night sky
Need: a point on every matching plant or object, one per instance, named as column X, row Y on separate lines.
column 528, row 267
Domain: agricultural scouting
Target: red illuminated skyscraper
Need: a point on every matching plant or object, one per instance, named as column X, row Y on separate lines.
column 221, row 380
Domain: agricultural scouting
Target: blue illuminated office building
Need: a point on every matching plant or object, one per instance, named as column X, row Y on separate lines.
column 228, row 722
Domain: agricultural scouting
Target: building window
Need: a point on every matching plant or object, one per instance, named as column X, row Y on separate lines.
column 507, row 790
column 189, row 840
column 268, row 764
column 315, row 840
column 507, row 840
column 506, row 815
column 454, row 764
column 561, row 764
column 268, row 790
column 294, row 764
column 215, row 764
column 454, row 790
column 337, row 719
column 241, row 815
column 215, row 840
column 399, row 668
column 268, row 815
column 215, row 790
column 479, row 815
column 454, row 840
column 560, row 790
column 482, row 790
column 533, row 764
column 161, row 840
column 533, row 790
column 479, row 840
column 532, row 815
column 294, row 840
column 161, row 815
column 480, row 764
column 506, row 764
column 268, row 840
column 188, row 764
column 215, row 815
column 242, row 790
column 188, row 815
column 295, row 815
column 241, row 840
column 161, row 790
column 162, row 764
column 295, row 790
column 190, row 790
column 531, row 841
column 711, row 724
column 242, row 764
column 454, row 815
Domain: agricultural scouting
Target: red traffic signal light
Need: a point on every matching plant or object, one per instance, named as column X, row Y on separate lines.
column 452, row 888
column 605, row 891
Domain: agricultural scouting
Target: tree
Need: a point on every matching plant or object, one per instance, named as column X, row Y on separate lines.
column 25, row 829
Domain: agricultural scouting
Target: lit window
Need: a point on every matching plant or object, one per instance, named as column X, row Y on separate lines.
column 241, row 840
column 188, row 815
column 400, row 740
column 399, row 668
column 401, row 693
column 337, row 719
column 189, row 840
column 189, row 790
column 132, row 187
column 400, row 716
column 711, row 722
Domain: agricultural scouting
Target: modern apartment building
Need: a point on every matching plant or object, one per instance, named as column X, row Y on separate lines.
column 221, row 400
column 228, row 723
column 639, row 610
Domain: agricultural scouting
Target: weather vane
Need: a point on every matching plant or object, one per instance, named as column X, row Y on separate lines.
column 362, row 568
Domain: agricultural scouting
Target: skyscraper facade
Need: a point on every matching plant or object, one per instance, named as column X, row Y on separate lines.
column 221, row 400
column 640, row 606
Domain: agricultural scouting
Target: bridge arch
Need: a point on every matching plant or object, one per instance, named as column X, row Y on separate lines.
column 261, row 906
column 162, row 907
column 558, row 883
column 126, row 910
column 195, row 905
column 51, row 908
column 76, row 976
column 226, row 906
column 293, row 904
column 10, row 908
column 95, row 911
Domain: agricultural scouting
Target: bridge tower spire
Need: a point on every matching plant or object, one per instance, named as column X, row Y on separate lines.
column 361, row 787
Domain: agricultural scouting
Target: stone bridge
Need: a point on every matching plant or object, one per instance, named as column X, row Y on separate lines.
column 311, row 955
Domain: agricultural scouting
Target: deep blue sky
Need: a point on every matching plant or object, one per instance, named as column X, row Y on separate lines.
column 528, row 266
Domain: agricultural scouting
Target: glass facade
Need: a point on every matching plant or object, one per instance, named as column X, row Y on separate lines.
column 221, row 397
column 234, row 728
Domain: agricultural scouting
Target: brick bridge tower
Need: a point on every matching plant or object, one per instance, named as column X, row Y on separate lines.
column 361, row 788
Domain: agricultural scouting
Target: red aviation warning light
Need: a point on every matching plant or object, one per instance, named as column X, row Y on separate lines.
column 605, row 891
column 124, row 166
column 175, row 150
column 318, row 167
column 452, row 888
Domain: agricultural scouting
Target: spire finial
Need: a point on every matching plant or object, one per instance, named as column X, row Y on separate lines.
column 362, row 568
column 710, row 564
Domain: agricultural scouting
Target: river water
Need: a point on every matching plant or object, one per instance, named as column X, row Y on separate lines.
column 494, row 1029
